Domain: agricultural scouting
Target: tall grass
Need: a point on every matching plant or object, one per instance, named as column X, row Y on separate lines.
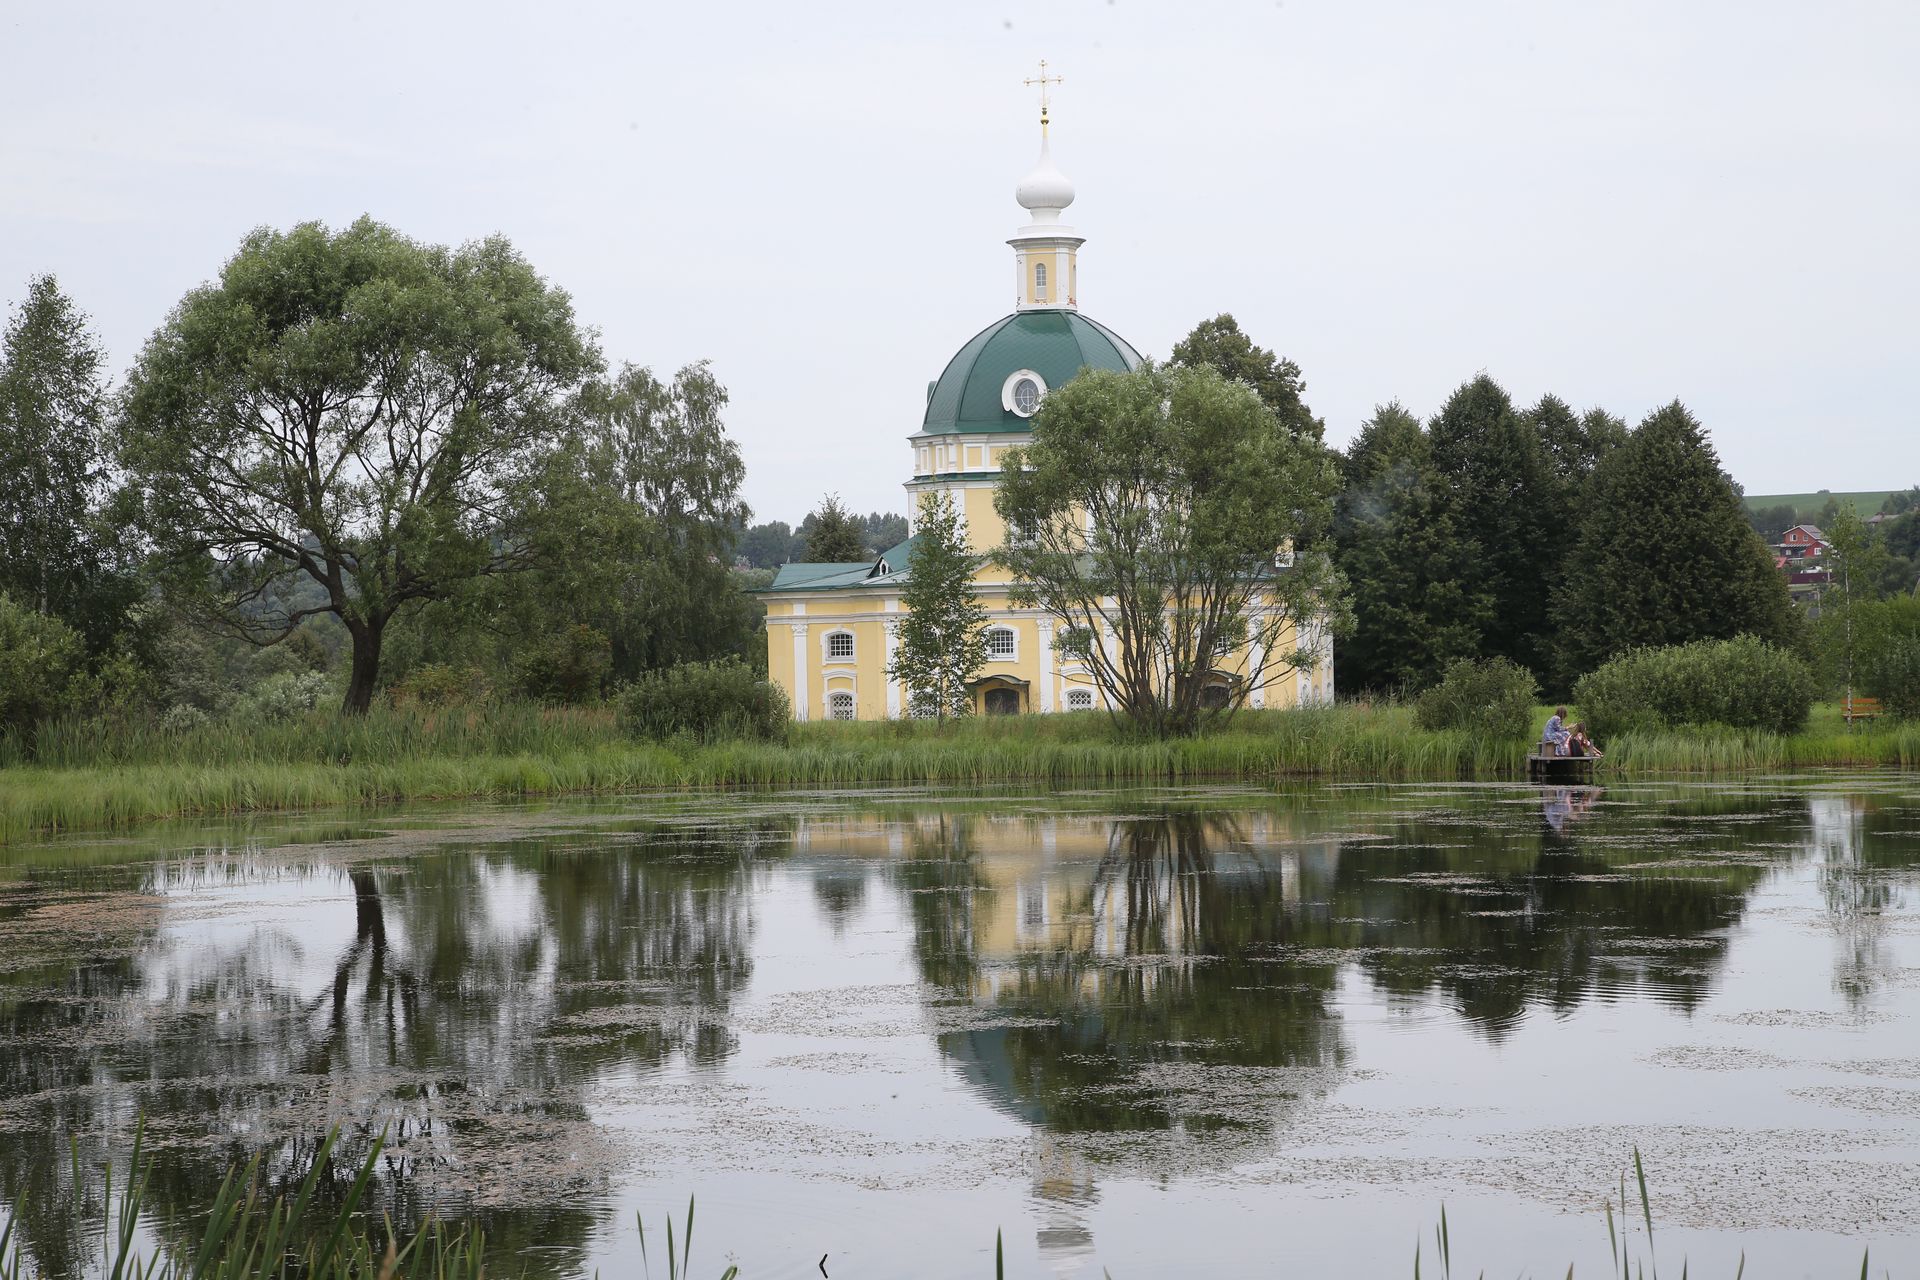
column 92, row 775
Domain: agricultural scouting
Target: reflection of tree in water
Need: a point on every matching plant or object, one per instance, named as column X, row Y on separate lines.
column 1155, row 999
column 1500, row 912
column 480, row 990
column 1860, row 848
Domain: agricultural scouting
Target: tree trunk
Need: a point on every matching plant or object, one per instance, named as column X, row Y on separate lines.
column 367, row 636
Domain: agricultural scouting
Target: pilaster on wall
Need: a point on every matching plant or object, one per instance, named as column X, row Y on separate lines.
column 1045, row 627
column 893, row 686
column 802, row 677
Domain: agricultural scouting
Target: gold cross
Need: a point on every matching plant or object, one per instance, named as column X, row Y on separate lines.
column 1043, row 80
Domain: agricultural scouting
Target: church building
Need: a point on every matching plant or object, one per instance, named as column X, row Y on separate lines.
column 830, row 627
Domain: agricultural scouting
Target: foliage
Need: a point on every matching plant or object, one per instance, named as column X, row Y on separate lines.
column 39, row 656
column 442, row 684
column 834, row 535
column 1893, row 676
column 1856, row 557
column 1396, row 546
column 1665, row 554
column 1491, row 697
column 1506, row 506
column 942, row 643
column 1170, row 492
column 1772, row 523
column 570, row 667
column 643, row 551
column 58, row 552
column 354, row 408
column 705, row 700
column 286, row 696
column 1742, row 683
column 1218, row 344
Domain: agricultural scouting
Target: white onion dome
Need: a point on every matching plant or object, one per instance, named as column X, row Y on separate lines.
column 1045, row 191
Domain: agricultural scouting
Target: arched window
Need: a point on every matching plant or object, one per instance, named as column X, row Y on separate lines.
column 840, row 645
column 1002, row 644
column 1039, row 282
column 1079, row 699
column 840, row 706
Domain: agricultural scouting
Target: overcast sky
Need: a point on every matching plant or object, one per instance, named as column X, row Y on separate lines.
column 1620, row 203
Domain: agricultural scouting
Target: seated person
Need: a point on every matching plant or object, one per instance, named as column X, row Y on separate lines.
column 1555, row 737
column 1580, row 742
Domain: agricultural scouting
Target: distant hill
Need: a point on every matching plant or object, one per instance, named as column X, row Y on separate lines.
column 1807, row 505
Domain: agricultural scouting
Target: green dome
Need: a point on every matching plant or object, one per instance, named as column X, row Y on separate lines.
column 1054, row 344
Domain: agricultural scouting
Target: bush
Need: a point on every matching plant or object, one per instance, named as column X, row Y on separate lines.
column 1490, row 699
column 39, row 656
column 570, row 667
column 283, row 697
column 720, row 699
column 1744, row 683
column 1893, row 676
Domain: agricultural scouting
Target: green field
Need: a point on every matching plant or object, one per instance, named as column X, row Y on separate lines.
column 1808, row 505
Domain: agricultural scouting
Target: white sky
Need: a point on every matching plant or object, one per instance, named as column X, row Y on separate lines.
column 1621, row 203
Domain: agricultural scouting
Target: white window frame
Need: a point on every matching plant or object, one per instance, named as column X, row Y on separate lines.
column 1012, row 634
column 1039, row 282
column 834, row 704
column 826, row 646
column 1013, row 380
column 1079, row 699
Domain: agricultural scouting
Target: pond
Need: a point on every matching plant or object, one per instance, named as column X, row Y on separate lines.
column 1152, row 1031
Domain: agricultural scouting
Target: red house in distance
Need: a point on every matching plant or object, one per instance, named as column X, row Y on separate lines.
column 1802, row 542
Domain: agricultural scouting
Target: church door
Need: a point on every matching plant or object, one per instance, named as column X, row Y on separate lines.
column 1003, row 702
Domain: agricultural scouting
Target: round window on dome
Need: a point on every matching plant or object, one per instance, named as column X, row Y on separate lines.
column 1022, row 392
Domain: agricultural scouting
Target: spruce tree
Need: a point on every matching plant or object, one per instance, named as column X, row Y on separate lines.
column 834, row 535
column 1504, row 500
column 56, row 554
column 1665, row 554
column 1403, row 562
column 942, row 641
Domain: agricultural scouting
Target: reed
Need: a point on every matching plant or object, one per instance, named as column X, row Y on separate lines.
column 90, row 775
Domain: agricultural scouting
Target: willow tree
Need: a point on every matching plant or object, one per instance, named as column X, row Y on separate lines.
column 348, row 423
column 1157, row 515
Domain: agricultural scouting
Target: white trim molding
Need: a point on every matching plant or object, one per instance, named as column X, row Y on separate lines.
column 800, row 673
column 1045, row 628
column 1012, row 632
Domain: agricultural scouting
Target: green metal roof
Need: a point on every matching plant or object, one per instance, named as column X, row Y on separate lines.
column 840, row 577
column 1057, row 345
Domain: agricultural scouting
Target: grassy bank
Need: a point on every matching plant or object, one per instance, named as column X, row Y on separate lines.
column 92, row 776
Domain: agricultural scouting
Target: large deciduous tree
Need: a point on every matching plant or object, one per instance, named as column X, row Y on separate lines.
column 1396, row 546
column 662, row 451
column 1157, row 506
column 57, row 556
column 1220, row 345
column 356, row 408
column 1665, row 553
column 942, row 642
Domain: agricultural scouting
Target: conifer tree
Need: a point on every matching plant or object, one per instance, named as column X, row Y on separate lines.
column 1665, row 554
column 942, row 642
column 1503, row 498
column 834, row 534
column 1403, row 562
column 56, row 556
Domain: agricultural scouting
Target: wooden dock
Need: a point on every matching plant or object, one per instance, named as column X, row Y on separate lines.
column 1560, row 769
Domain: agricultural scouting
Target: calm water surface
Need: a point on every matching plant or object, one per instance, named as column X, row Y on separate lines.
column 1161, row 1032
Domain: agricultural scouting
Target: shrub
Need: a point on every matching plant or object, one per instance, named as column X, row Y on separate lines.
column 1893, row 676
column 570, row 667
column 283, row 697
column 1491, row 699
column 1744, row 683
column 39, row 656
column 441, row 684
column 720, row 699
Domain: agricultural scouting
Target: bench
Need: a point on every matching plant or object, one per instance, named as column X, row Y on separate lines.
column 1859, row 709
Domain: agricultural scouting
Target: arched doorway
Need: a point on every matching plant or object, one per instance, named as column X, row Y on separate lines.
column 1001, row 696
column 1002, row 702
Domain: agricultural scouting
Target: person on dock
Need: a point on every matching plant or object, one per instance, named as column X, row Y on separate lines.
column 1555, row 737
column 1580, row 742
